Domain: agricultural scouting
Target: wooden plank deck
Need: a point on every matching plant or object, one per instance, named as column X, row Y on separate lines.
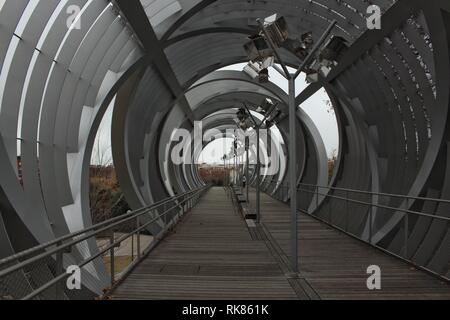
column 335, row 265
column 211, row 255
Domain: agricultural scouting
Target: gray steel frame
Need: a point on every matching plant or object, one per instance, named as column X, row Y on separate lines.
column 390, row 93
column 60, row 247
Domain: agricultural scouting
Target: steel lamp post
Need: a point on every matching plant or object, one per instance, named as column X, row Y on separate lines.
column 293, row 131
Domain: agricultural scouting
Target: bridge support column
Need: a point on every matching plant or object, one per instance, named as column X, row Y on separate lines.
column 293, row 173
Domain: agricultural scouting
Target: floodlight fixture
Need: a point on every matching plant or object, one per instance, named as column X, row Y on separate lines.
column 334, row 49
column 265, row 106
column 259, row 69
column 252, row 70
column 246, row 124
column 312, row 77
column 326, row 59
column 242, row 114
column 244, row 120
column 277, row 29
column 257, row 48
column 307, row 40
column 300, row 47
column 264, row 76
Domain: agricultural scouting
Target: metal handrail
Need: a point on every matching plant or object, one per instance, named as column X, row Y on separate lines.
column 104, row 226
column 43, row 246
column 378, row 205
column 392, row 195
column 371, row 205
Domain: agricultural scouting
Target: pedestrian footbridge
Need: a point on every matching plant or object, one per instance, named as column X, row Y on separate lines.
column 372, row 222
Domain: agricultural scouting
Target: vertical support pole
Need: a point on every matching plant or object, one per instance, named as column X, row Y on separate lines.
column 330, row 213
column 317, row 198
column 165, row 214
column 346, row 212
column 406, row 235
column 406, row 226
column 112, row 264
column 370, row 221
column 279, row 190
column 183, row 206
column 293, row 173
column 132, row 247
column 138, row 238
column 224, row 172
column 247, row 146
column 258, row 177
column 59, row 271
column 281, row 193
column 236, row 171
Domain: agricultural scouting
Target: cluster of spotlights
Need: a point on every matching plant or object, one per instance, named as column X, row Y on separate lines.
column 272, row 114
column 326, row 59
column 244, row 120
column 260, row 50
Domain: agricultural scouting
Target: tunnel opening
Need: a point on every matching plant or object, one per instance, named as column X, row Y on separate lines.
column 213, row 166
column 372, row 131
column 319, row 107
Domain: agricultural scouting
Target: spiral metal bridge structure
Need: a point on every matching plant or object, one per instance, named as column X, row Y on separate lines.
column 159, row 63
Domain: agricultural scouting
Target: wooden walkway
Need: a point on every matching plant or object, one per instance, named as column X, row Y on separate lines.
column 212, row 254
column 335, row 265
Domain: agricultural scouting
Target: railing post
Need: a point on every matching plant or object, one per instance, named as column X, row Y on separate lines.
column 182, row 205
column 132, row 247
column 165, row 213
column 370, row 221
column 282, row 192
column 406, row 226
column 138, row 242
column 278, row 192
column 406, row 234
column 346, row 211
column 330, row 215
column 59, row 271
column 317, row 199
column 112, row 258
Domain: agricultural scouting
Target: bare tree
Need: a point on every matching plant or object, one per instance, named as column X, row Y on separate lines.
column 106, row 197
column 332, row 163
column 102, row 151
column 333, row 154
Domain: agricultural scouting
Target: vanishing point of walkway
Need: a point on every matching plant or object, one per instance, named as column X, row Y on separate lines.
column 212, row 254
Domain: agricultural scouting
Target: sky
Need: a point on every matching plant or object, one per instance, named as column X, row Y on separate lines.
column 316, row 107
